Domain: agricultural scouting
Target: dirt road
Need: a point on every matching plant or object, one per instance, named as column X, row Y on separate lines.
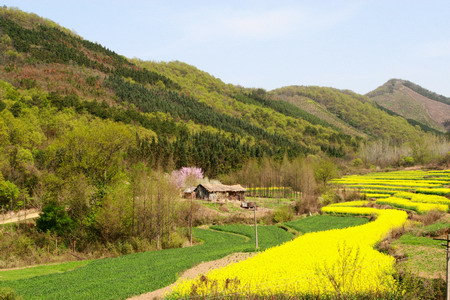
column 192, row 273
column 20, row 216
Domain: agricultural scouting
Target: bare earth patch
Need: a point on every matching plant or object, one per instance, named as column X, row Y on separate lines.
column 192, row 273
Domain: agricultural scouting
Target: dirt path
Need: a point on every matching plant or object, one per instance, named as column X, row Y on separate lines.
column 14, row 218
column 194, row 272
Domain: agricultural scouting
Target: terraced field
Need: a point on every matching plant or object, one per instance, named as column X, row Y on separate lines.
column 419, row 191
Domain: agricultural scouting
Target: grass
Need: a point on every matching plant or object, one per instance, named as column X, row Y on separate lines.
column 268, row 236
column 230, row 207
column 409, row 239
column 41, row 270
column 270, row 202
column 425, row 256
column 134, row 274
column 325, row 222
column 434, row 229
column 8, row 227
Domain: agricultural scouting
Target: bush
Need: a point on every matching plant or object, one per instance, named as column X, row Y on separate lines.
column 8, row 192
column 283, row 214
column 8, row 294
column 329, row 197
column 357, row 162
column 417, row 288
column 54, row 219
column 407, row 161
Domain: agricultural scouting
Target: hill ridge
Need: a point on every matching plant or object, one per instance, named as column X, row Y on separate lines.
column 414, row 103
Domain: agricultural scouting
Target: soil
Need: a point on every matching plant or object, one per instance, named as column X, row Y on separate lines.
column 192, row 273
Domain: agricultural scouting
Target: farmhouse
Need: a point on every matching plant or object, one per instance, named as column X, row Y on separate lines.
column 189, row 193
column 215, row 192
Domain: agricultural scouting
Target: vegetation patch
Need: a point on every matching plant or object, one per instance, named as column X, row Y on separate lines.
column 41, row 270
column 424, row 256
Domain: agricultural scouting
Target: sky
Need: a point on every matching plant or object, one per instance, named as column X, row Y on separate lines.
column 356, row 45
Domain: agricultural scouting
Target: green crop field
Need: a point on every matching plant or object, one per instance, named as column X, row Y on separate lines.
column 325, row 222
column 118, row 278
column 268, row 236
column 41, row 270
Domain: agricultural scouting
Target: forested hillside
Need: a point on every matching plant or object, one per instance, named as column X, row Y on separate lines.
column 356, row 111
column 419, row 106
column 186, row 108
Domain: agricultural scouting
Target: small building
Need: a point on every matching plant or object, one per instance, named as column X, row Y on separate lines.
column 189, row 193
column 216, row 192
column 248, row 205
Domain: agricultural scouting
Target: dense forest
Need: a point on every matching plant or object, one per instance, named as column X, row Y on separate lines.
column 90, row 137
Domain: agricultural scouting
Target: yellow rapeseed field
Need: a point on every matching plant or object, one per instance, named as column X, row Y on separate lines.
column 340, row 261
column 351, row 203
column 419, row 207
column 423, row 198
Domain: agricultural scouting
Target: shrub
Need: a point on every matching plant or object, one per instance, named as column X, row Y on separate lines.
column 283, row 214
column 8, row 192
column 8, row 294
column 54, row 219
column 418, row 288
column 357, row 162
column 407, row 161
column 329, row 197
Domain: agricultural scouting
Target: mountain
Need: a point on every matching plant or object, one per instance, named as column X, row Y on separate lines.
column 419, row 105
column 352, row 113
column 176, row 114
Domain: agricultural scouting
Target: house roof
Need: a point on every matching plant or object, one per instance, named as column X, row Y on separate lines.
column 189, row 189
column 222, row 187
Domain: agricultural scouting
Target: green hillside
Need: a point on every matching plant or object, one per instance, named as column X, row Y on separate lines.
column 185, row 108
column 355, row 112
column 418, row 105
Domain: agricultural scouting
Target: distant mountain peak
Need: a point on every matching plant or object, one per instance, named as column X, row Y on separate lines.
column 418, row 105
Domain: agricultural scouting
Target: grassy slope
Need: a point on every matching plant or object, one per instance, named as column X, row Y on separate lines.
column 405, row 105
column 355, row 110
column 321, row 112
column 413, row 102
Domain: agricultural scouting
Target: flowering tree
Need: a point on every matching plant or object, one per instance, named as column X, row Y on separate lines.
column 186, row 176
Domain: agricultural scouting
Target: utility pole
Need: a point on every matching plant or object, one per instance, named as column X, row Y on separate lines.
column 448, row 266
column 256, row 227
column 190, row 219
column 447, row 246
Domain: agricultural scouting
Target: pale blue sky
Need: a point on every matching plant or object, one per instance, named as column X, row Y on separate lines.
column 355, row 45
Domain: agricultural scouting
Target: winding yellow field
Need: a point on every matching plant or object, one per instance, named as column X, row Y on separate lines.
column 322, row 263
